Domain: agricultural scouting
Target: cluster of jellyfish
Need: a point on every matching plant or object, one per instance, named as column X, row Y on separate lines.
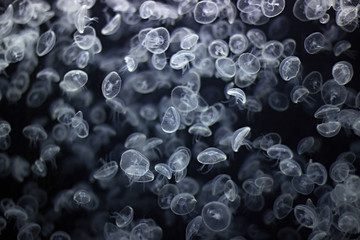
column 179, row 119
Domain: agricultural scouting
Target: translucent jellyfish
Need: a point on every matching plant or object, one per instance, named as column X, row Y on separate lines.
column 339, row 171
column 306, row 216
column 124, row 217
column 302, row 184
column 329, row 129
column 239, row 138
column 107, row 171
column 265, row 182
column 48, row 74
column 327, row 111
column 313, row 82
column 148, row 112
column 15, row 52
column 166, row 195
column 272, row 50
column 238, row 43
column 299, row 94
column 279, row 152
column 349, row 222
column 5, row 128
column 181, row 59
column 164, row 170
column 159, row 61
column 183, row 203
column 82, row 197
column 134, row 163
column 193, row 227
column 278, row 101
column 238, row 94
column 131, row 63
column 342, row 72
column 157, row 40
column 111, row 85
column 289, row 47
column 306, row 145
column 29, row 230
column 211, row 156
column 179, row 160
column 60, row 235
column 218, row 48
column 283, row 205
column 216, row 216
column 317, row 173
column 253, row 15
column 346, row 18
column 269, row 140
column 171, row 120
column 189, row 41
column 112, row 26
column 250, row 187
column 59, row 132
column 45, row 43
column 144, row 82
column 254, row 203
column 257, row 37
column 289, row 68
column 39, row 168
column 85, row 40
column 315, row 9
column 184, row 99
column 290, row 167
column 35, row 133
column 135, row 140
column 272, row 8
column 249, row 63
column 205, row 12
column 74, row 80
column 316, row 42
column 341, row 47
column 225, row 67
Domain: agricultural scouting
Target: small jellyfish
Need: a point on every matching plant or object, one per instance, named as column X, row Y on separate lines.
column 134, row 163
column 306, row 216
column 35, row 133
column 205, row 12
column 249, row 63
column 111, row 85
column 289, row 68
column 189, row 41
column 183, row 203
column 60, row 235
column 317, row 173
column 107, row 171
column 74, row 80
column 278, row 101
column 112, row 26
column 256, row 36
column 316, row 42
column 342, row 72
column 184, row 99
column 279, row 152
column 238, row 43
column 283, row 205
column 164, row 170
column 159, row 61
column 240, row 97
column 218, row 48
column 157, row 40
column 171, row 120
column 290, row 167
column 166, row 195
column 239, row 138
column 82, row 197
column 180, row 159
column 124, row 217
column 313, row 82
column 272, row 8
column 216, row 216
column 211, row 156
column 86, row 39
column 45, row 43
column 225, row 67
column 329, row 129
column 302, row 184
